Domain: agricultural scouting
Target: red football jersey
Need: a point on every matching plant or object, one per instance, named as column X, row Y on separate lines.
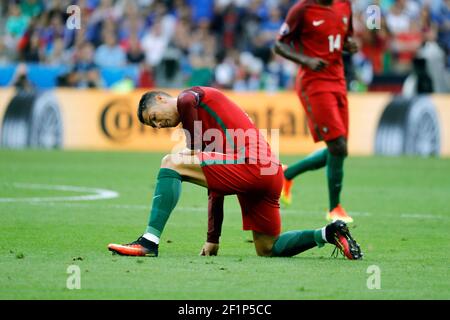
column 319, row 31
column 211, row 109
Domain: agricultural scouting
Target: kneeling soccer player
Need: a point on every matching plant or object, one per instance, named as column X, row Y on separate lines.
column 244, row 167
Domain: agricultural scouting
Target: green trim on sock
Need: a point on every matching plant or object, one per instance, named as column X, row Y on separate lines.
column 153, row 231
column 168, row 173
column 318, row 238
column 314, row 161
column 335, row 176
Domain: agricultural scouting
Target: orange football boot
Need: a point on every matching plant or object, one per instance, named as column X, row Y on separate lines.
column 141, row 248
column 339, row 213
column 286, row 196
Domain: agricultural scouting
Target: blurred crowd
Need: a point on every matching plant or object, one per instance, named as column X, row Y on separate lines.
column 224, row 43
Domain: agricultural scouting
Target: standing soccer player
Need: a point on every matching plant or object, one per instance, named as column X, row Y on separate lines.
column 228, row 155
column 314, row 35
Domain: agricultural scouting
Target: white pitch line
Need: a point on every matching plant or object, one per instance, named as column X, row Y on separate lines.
column 360, row 214
column 95, row 193
column 108, row 194
column 421, row 216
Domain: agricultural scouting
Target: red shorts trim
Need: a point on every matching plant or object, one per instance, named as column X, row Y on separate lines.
column 327, row 114
column 258, row 190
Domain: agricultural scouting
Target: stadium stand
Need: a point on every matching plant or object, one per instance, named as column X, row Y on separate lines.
column 223, row 43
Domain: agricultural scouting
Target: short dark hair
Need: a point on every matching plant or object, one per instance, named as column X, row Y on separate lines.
column 147, row 101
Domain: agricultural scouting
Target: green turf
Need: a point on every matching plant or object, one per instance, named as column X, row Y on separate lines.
column 400, row 206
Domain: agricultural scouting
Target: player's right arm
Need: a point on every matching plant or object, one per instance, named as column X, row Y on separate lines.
column 290, row 36
column 215, row 220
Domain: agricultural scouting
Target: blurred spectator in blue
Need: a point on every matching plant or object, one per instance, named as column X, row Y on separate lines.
column 181, row 10
column 110, row 54
column 102, row 20
column 271, row 27
column 283, row 72
column 285, row 5
column 202, row 40
column 105, row 11
column 260, row 8
column 85, row 70
column 201, row 9
column 166, row 18
column 54, row 28
column 132, row 24
column 442, row 19
column 154, row 44
column 91, row 4
column 56, row 55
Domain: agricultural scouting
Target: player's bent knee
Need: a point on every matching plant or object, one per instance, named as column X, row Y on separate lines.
column 338, row 147
column 263, row 244
column 172, row 161
column 167, row 162
column 266, row 252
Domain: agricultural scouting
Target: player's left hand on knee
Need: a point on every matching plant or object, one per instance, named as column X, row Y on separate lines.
column 209, row 249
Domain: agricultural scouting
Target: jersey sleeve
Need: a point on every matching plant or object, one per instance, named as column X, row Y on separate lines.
column 188, row 102
column 290, row 29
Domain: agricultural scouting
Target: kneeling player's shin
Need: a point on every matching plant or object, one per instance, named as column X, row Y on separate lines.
column 167, row 193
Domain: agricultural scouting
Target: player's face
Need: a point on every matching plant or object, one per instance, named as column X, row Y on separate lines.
column 161, row 116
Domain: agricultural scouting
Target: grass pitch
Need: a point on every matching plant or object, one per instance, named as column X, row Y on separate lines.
column 400, row 207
